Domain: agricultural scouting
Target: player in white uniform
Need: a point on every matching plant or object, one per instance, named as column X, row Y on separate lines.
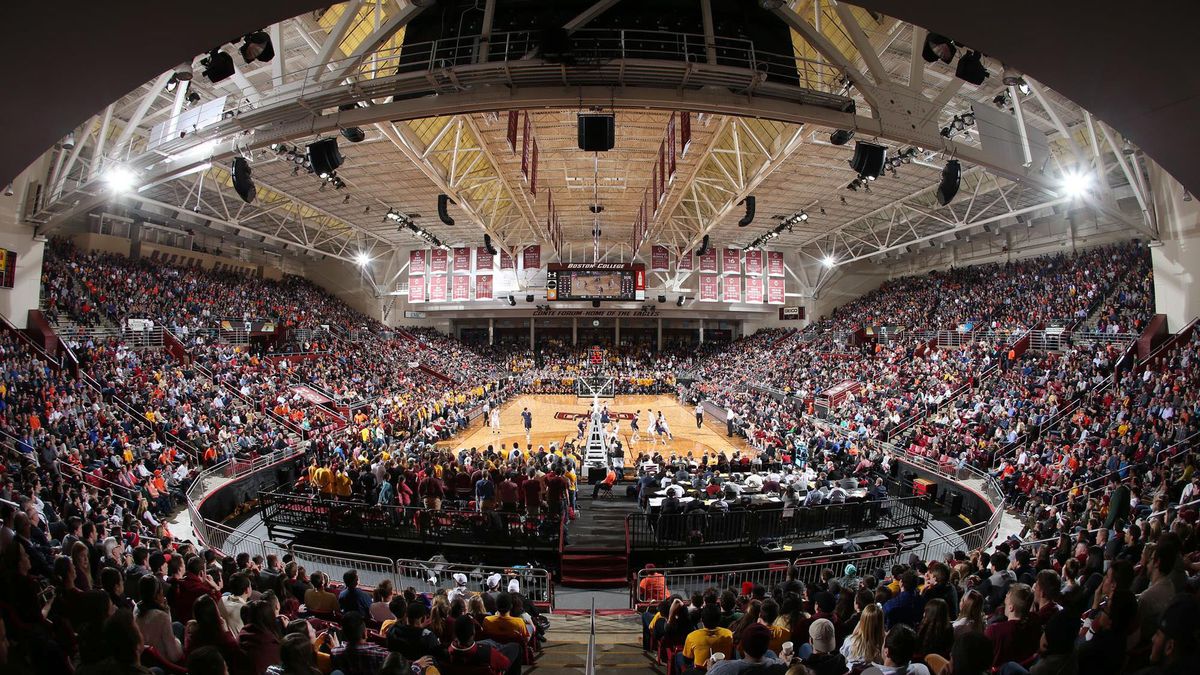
column 663, row 429
column 495, row 420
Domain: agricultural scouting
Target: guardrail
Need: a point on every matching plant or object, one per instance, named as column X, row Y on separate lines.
column 685, row 581
column 589, row 665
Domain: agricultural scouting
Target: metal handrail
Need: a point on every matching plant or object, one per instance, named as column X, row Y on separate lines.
column 589, row 665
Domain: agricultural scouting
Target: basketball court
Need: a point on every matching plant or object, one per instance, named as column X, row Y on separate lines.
column 556, row 416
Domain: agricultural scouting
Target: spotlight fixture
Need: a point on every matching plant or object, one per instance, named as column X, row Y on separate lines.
column 938, row 48
column 958, row 124
column 120, row 178
column 363, row 259
column 1011, row 76
column 183, row 72
column 346, row 199
column 829, row 261
column 662, row 299
column 257, row 46
column 69, row 141
column 679, row 301
column 193, row 97
column 218, row 66
column 841, row 136
column 512, row 300
column 1075, row 184
column 352, row 134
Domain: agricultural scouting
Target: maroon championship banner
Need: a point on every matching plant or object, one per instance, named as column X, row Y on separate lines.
column 754, row 265
column 731, row 261
column 533, row 171
column 416, row 288
column 483, row 287
column 531, row 258
column 754, row 289
column 708, row 288
column 662, row 171
column 484, row 260
column 462, row 259
column 685, row 264
column 506, row 261
column 462, row 287
column 525, row 146
column 416, row 262
column 671, row 146
column 775, row 263
column 438, row 261
column 685, row 131
column 437, row 288
column 732, row 286
column 660, row 258
column 513, row 118
column 775, row 291
column 708, row 261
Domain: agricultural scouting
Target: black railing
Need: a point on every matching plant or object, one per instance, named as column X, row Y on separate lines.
column 757, row 526
column 411, row 524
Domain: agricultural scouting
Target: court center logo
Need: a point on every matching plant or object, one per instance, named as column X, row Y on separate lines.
column 576, row 416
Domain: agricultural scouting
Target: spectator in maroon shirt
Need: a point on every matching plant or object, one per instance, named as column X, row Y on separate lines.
column 531, row 493
column 431, row 490
column 1018, row 637
column 195, row 583
column 508, row 495
column 556, row 491
column 467, row 654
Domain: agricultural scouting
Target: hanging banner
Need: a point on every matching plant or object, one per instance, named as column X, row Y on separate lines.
column 484, row 261
column 754, row 289
column 533, row 171
column 416, row 262
column 461, row 289
column 733, row 288
column 531, row 259
column 525, row 147
column 483, row 287
column 660, row 259
column 506, row 261
column 775, row 263
column 416, row 289
column 754, row 264
column 684, row 264
column 731, row 261
column 438, row 260
column 671, row 147
column 462, row 259
column 775, row 291
column 437, row 288
column 708, row 261
column 512, row 130
column 685, row 132
column 708, row 288
column 662, row 170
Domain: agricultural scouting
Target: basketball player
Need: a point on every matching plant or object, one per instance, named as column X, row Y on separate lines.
column 663, row 429
column 634, row 427
column 495, row 420
column 527, row 419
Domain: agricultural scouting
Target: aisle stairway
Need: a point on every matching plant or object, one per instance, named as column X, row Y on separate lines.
column 618, row 646
column 595, row 554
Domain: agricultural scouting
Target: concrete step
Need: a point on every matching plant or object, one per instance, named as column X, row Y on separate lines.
column 618, row 646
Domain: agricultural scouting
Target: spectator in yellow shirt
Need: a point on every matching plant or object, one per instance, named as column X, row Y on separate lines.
column 502, row 626
column 701, row 643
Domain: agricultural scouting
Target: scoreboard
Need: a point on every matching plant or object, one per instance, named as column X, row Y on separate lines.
column 595, row 281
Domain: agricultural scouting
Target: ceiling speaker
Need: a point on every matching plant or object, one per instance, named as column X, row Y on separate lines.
column 241, row 180
column 869, row 159
column 487, row 244
column 324, row 156
column 951, row 176
column 443, row 212
column 597, row 133
column 746, row 219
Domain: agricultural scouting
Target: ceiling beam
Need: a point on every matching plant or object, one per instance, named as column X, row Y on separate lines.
column 585, row 17
column 827, row 49
column 345, row 68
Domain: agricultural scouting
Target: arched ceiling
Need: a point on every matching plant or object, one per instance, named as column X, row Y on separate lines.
column 1131, row 65
column 65, row 61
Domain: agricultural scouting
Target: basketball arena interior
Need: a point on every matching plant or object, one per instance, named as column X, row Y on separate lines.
column 483, row 337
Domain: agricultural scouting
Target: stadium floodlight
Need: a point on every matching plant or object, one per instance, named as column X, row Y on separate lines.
column 363, row 259
column 829, row 261
column 1075, row 184
column 120, row 178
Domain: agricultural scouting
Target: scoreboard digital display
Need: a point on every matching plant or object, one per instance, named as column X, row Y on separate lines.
column 595, row 281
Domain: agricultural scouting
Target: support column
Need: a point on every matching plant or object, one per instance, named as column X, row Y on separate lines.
column 701, row 331
column 617, row 331
column 491, row 332
column 659, row 343
column 532, row 323
column 574, row 331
